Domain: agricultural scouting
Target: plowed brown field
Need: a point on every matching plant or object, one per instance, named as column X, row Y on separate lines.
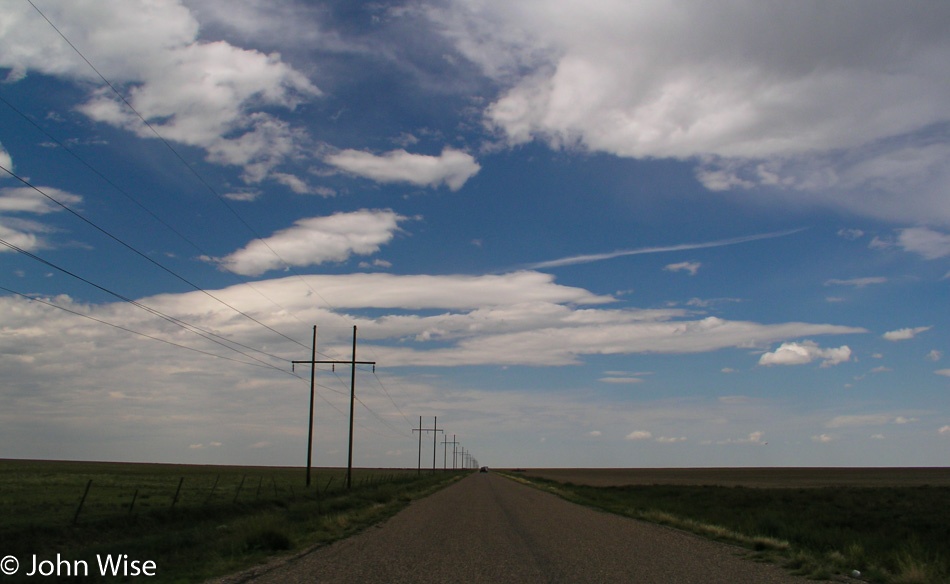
column 748, row 477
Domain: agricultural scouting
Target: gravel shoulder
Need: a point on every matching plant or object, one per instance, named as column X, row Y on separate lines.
column 488, row 529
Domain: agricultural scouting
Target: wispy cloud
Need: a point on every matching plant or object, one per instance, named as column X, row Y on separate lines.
column 588, row 258
column 905, row 333
column 856, row 282
column 691, row 267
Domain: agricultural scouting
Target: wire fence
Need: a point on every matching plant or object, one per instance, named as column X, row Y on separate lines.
column 63, row 498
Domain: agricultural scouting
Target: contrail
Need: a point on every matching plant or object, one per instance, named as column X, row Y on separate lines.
column 586, row 259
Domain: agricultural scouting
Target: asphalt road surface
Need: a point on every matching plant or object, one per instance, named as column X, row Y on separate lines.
column 489, row 529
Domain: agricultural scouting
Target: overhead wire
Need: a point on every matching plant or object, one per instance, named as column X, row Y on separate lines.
column 155, row 216
column 126, row 329
column 176, row 321
column 142, row 255
column 180, row 158
column 202, row 180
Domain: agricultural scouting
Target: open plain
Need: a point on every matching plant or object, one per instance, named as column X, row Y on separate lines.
column 748, row 477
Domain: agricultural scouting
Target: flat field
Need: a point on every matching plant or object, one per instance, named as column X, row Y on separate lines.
column 193, row 522
column 796, row 478
column 890, row 524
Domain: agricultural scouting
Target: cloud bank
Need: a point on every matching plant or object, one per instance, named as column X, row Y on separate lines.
column 842, row 104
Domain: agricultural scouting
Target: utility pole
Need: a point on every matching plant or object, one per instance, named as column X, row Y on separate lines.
column 435, row 434
column 434, row 429
column 445, row 452
column 313, row 357
column 353, row 363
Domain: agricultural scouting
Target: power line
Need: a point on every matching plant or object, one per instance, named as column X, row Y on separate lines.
column 200, row 178
column 126, row 329
column 139, row 253
column 177, row 322
column 152, row 214
column 181, row 159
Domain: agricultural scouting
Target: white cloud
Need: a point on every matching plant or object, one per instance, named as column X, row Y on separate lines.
column 795, row 353
column 180, row 397
column 769, row 93
column 926, row 242
column 377, row 263
column 27, row 200
column 565, row 342
column 944, row 372
column 639, row 435
column 671, row 440
column 452, row 167
column 300, row 186
column 944, row 430
column 315, row 241
column 905, row 333
column 850, row 234
column 710, row 84
column 621, row 380
column 588, row 258
column 211, row 95
column 683, row 79
column 856, row 282
column 594, row 433
column 753, row 438
column 849, row 421
column 824, row 438
column 5, row 160
column 934, row 355
column 28, row 234
column 691, row 267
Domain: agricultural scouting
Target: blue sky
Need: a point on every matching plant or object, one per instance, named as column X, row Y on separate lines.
column 592, row 233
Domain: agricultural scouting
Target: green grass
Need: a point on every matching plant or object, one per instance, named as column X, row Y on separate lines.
column 224, row 519
column 896, row 535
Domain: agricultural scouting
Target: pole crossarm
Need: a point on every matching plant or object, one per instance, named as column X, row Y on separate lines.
column 333, row 363
column 435, row 429
column 313, row 362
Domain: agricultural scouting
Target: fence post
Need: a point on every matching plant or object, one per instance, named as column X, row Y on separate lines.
column 134, row 497
column 238, row 491
column 81, row 502
column 211, row 494
column 177, row 491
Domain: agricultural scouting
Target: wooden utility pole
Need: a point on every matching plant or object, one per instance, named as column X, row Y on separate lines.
column 445, row 451
column 434, row 429
column 313, row 358
column 353, row 363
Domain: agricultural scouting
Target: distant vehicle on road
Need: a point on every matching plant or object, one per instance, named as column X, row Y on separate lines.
column 483, row 469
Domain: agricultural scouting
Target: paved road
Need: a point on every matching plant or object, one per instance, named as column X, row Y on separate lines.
column 488, row 529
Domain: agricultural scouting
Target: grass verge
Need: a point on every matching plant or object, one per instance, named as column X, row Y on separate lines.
column 219, row 527
column 891, row 535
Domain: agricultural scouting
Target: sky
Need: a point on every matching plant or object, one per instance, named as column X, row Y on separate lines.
column 577, row 233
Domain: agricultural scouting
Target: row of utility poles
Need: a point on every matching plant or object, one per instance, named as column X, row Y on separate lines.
column 460, row 458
